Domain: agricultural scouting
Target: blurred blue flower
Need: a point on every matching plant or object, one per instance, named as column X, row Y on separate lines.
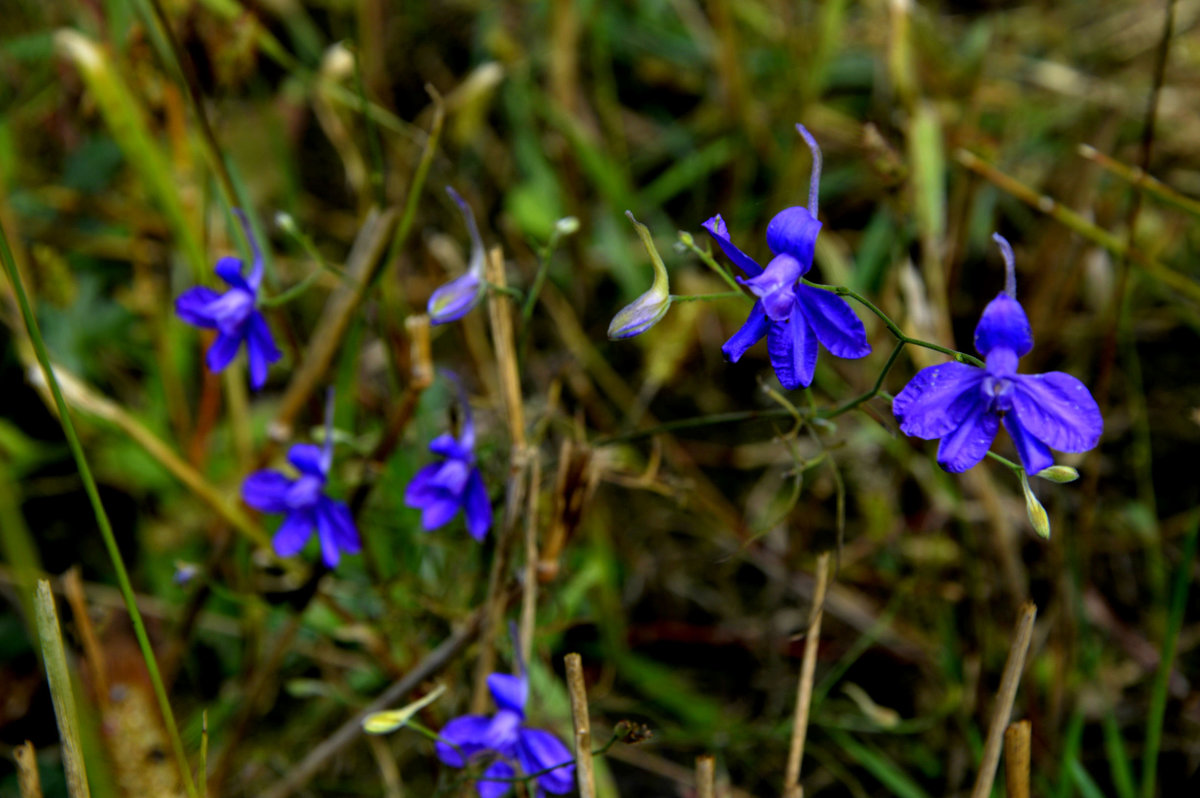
column 794, row 317
column 303, row 501
column 964, row 405
column 234, row 314
column 455, row 299
column 506, row 737
column 440, row 490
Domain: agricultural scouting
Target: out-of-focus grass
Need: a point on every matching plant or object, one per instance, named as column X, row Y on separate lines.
column 687, row 578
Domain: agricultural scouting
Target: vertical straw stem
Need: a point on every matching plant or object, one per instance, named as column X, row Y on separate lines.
column 585, row 769
column 1007, row 693
column 55, row 659
column 529, row 585
column 28, row 779
column 1016, row 759
column 791, row 781
column 93, row 493
column 706, row 776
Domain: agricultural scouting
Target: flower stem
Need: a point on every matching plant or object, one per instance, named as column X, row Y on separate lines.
column 706, row 297
column 708, row 260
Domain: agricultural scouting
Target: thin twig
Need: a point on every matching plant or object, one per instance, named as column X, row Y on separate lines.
column 808, row 665
column 529, row 584
column 1016, row 759
column 55, row 658
column 706, row 777
column 28, row 779
column 585, row 772
column 1007, row 693
column 72, row 584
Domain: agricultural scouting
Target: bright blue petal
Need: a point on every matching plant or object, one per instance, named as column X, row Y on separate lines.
column 1058, row 410
column 223, row 350
column 438, row 512
column 510, row 692
column 455, row 299
column 448, row 446
column 502, row 732
column 192, row 306
column 292, row 534
column 335, row 529
column 306, row 457
column 229, row 269
column 260, row 347
column 930, row 407
column 750, row 333
column 793, row 350
column 266, row 491
column 1003, row 323
column 452, row 477
column 477, row 506
column 834, row 322
column 776, row 286
column 967, row 445
column 467, row 733
column 421, row 489
column 794, row 231
column 538, row 750
column 716, row 228
column 256, row 268
column 495, row 782
column 1033, row 453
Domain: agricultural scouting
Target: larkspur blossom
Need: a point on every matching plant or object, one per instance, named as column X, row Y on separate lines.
column 440, row 490
column 793, row 316
column 234, row 314
column 303, row 501
column 506, row 737
column 452, row 301
column 965, row 405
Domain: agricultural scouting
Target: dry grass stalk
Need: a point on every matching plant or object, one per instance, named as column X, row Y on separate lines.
column 73, row 587
column 1016, row 759
column 585, row 770
column 706, row 776
column 1004, row 700
column 55, row 658
column 808, row 665
column 28, row 779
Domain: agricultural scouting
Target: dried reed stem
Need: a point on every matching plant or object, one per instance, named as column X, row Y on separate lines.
column 28, row 779
column 1004, row 700
column 529, row 586
column 73, row 587
column 55, row 657
column 706, row 777
column 1016, row 759
column 808, row 665
column 585, row 771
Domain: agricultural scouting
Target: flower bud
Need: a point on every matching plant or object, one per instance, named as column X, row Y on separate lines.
column 568, row 225
column 455, row 299
column 1059, row 473
column 392, row 719
column 1036, row 512
column 648, row 309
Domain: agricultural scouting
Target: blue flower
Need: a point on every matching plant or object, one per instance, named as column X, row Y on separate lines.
column 965, row 405
column 234, row 314
column 303, row 501
column 506, row 737
column 440, row 490
column 794, row 317
column 455, row 299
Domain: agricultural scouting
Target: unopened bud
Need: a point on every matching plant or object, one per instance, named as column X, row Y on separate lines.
column 1036, row 512
column 1059, row 473
column 568, row 225
column 648, row 309
column 392, row 719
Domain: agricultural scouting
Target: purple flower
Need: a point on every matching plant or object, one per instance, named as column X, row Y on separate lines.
column 794, row 317
column 303, row 501
column 440, row 490
column 965, row 405
column 234, row 314
column 506, row 737
column 455, row 299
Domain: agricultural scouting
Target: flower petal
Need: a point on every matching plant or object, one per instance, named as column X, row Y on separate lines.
column 306, row 457
column 335, row 529
column 192, row 306
column 539, row 750
column 1033, row 453
column 266, row 491
column 437, row 513
column 1058, row 410
column 1003, row 323
column 930, row 407
column 261, row 349
column 477, row 506
column 466, row 733
column 496, row 781
column 716, row 228
column 223, row 350
column 510, row 692
column 793, row 350
column 292, row 534
column 448, row 446
column 421, row 489
column 836, row 325
column 794, row 231
column 229, row 269
column 453, row 300
column 750, row 333
column 776, row 286
column 967, row 445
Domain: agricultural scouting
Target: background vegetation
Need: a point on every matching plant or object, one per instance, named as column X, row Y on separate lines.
column 685, row 578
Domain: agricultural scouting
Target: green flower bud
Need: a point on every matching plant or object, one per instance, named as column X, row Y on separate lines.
column 1036, row 512
column 1059, row 473
column 648, row 309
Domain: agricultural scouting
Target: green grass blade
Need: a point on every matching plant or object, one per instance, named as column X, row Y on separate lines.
column 55, row 659
column 892, row 777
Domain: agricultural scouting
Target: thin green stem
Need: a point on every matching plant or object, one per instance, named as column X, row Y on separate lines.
column 106, row 531
column 707, row 259
column 875, row 389
column 706, row 297
column 376, row 152
column 417, row 185
column 543, row 270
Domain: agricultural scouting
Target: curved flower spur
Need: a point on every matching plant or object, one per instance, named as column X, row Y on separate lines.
column 965, row 405
column 793, row 316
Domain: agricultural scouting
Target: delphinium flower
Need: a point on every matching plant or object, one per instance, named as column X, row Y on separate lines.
column 965, row 405
column 303, row 501
column 234, row 314
column 793, row 316
column 440, row 490
column 455, row 299
column 514, row 746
